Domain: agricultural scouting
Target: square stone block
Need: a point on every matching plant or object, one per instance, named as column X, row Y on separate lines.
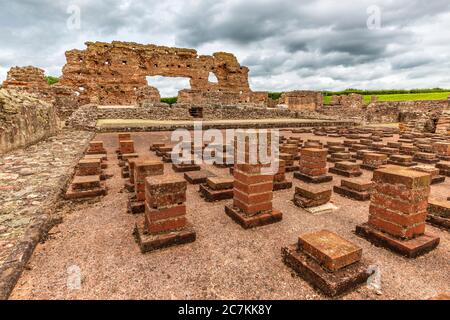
column 330, row 283
column 329, row 249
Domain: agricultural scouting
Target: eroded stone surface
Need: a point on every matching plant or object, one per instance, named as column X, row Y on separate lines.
column 30, row 179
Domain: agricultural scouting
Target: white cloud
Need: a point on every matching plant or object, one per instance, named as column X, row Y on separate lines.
column 288, row 44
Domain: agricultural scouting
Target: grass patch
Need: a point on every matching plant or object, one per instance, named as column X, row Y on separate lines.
column 51, row 80
column 170, row 100
column 275, row 95
column 443, row 95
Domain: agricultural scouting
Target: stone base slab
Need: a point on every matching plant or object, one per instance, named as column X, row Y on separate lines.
column 440, row 222
column 223, row 165
column 409, row 248
column 437, row 179
column 311, row 179
column 282, row 185
column 148, row 242
column 215, row 195
column 371, row 168
column 444, row 172
column 330, row 283
column 402, row 164
column 426, row 161
column 345, row 173
column 72, row 194
column 136, row 207
column 185, row 168
column 256, row 220
column 129, row 186
column 292, row 168
column 352, row 194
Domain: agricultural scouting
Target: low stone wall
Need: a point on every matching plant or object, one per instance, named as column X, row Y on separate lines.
column 391, row 111
column 24, row 119
column 86, row 116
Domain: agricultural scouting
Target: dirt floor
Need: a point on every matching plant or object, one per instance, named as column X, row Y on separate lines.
column 225, row 262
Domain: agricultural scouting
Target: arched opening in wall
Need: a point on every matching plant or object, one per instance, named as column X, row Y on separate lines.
column 212, row 78
column 168, row 87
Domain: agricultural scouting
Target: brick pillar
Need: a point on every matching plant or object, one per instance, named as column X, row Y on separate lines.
column 124, row 136
column 89, row 167
column 442, row 149
column 165, row 208
column 143, row 169
column 126, row 146
column 96, row 147
column 373, row 161
column 399, row 201
column 253, row 188
column 313, row 166
column 164, row 223
column 279, row 179
column 398, row 210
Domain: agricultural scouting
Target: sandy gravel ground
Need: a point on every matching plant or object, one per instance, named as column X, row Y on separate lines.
column 225, row 262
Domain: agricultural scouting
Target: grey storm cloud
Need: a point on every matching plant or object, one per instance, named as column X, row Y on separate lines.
column 287, row 44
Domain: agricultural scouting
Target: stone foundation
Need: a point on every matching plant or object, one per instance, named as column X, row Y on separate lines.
column 24, row 120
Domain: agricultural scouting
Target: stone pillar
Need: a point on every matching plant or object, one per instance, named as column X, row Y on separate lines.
column 279, row 180
column 126, row 146
column 165, row 222
column 398, row 210
column 142, row 170
column 442, row 149
column 373, row 161
column 88, row 167
column 313, row 166
column 253, row 187
column 96, row 147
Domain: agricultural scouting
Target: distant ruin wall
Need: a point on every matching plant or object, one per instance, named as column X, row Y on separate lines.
column 112, row 73
column 32, row 80
column 301, row 100
column 24, row 119
column 391, row 111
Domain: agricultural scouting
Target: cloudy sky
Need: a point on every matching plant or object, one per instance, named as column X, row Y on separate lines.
column 287, row 44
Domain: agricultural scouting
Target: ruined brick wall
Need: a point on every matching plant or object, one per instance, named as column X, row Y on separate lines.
column 148, row 94
column 24, row 119
column 391, row 111
column 111, row 73
column 403, row 111
column 32, row 81
column 29, row 76
column 86, row 116
column 443, row 123
column 352, row 100
column 302, row 100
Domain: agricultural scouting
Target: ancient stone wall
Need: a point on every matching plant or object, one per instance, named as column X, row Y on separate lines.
column 302, row 100
column 24, row 119
column 29, row 76
column 32, row 81
column 391, row 111
column 352, row 100
column 86, row 116
column 111, row 73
